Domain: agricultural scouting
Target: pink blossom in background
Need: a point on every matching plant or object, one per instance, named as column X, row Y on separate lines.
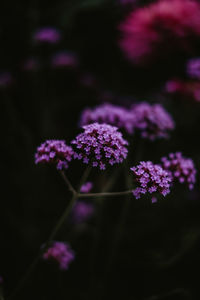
column 173, row 86
column 1, row 280
column 48, row 35
column 160, row 29
column 64, row 59
column 6, row 79
column 183, row 89
column 60, row 253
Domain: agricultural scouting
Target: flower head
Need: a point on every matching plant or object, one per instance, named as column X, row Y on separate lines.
column 160, row 29
column 61, row 253
column 47, row 35
column 100, row 145
column 64, row 59
column 82, row 211
column 1, row 280
column 151, row 178
column 54, row 152
column 180, row 168
column 109, row 114
column 86, row 187
column 152, row 121
column 193, row 68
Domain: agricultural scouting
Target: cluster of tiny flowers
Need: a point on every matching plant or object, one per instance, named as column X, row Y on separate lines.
column 100, row 145
column 86, row 187
column 64, row 59
column 47, row 35
column 61, row 253
column 151, row 178
column 82, row 211
column 54, row 152
column 193, row 68
column 180, row 168
column 153, row 121
column 159, row 29
column 109, row 114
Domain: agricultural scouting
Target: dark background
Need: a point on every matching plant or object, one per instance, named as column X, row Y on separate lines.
column 158, row 256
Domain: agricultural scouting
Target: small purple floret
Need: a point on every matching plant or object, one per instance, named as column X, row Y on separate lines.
column 61, row 253
column 86, row 187
column 54, row 152
column 193, row 68
column 64, row 59
column 82, row 211
column 152, row 121
column 109, row 114
column 180, row 168
column 151, row 178
column 47, row 35
column 100, row 145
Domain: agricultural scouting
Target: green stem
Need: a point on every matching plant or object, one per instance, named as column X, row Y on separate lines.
column 68, row 183
column 54, row 231
column 101, row 195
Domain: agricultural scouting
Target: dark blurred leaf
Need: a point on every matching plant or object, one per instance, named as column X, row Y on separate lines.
column 70, row 11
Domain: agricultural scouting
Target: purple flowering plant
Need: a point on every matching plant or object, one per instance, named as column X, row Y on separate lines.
column 117, row 158
column 102, row 145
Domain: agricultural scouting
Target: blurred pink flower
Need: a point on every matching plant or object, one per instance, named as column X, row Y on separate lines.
column 184, row 89
column 159, row 29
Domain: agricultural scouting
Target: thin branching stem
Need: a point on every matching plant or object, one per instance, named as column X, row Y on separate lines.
column 68, row 183
column 99, row 195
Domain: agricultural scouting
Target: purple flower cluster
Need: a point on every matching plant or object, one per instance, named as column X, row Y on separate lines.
column 193, row 68
column 100, row 145
column 61, row 253
column 86, row 187
column 152, row 121
column 180, row 168
column 151, row 178
column 47, row 35
column 109, row 114
column 82, row 211
column 54, row 152
column 64, row 59
column 1, row 280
